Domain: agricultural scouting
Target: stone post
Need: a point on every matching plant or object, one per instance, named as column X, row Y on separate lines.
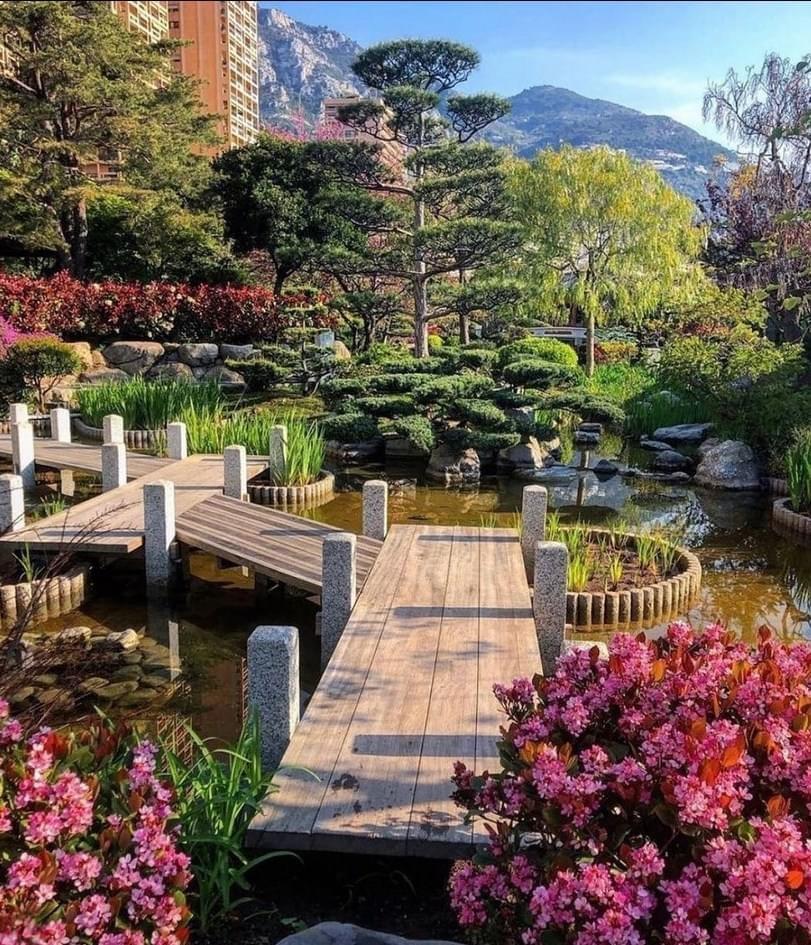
column 273, row 688
column 22, row 453
column 549, row 600
column 113, row 428
column 60, row 424
column 375, row 509
column 67, row 484
column 113, row 466
column 533, row 523
column 18, row 413
column 278, row 449
column 235, row 472
column 176, row 447
column 12, row 503
column 338, row 589
column 159, row 533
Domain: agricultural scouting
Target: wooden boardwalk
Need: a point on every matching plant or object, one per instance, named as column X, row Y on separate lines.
column 82, row 457
column 444, row 614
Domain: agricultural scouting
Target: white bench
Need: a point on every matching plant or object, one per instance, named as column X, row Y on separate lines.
column 575, row 334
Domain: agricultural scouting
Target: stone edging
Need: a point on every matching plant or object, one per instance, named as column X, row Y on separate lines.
column 63, row 593
column 134, row 439
column 41, row 425
column 774, row 485
column 640, row 606
column 312, row 493
column 787, row 520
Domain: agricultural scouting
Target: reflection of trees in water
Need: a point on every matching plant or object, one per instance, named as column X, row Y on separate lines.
column 744, row 602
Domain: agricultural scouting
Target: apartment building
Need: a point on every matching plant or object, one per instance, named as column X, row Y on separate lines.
column 392, row 153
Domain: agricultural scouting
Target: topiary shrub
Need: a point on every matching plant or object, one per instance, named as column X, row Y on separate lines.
column 416, row 429
column 337, row 391
column 349, row 428
column 585, row 405
column 541, row 349
column 482, row 413
column 464, row 438
column 259, row 373
column 386, row 405
column 660, row 795
column 532, row 373
column 436, row 389
column 36, row 364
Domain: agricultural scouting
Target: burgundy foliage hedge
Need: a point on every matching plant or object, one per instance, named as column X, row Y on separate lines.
column 162, row 310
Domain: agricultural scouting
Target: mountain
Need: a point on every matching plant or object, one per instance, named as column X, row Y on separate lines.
column 547, row 116
column 300, row 65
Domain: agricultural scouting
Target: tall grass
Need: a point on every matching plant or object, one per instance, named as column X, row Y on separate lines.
column 798, row 471
column 211, row 430
column 146, row 405
column 217, row 794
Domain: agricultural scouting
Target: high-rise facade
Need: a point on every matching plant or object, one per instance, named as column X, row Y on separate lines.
column 221, row 51
column 148, row 18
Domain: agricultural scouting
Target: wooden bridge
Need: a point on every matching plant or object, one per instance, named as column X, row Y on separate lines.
column 82, row 457
column 444, row 613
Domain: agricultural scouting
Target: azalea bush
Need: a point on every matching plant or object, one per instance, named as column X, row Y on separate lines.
column 662, row 794
column 163, row 310
column 86, row 851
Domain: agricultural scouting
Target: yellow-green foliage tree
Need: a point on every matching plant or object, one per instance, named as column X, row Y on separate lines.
column 604, row 236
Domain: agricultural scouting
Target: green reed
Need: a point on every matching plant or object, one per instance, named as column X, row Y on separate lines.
column 798, row 471
column 146, row 405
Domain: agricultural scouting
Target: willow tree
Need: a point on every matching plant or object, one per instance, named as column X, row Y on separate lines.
column 450, row 199
column 605, row 236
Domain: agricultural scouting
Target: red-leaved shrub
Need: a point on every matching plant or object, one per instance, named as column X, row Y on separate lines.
column 162, row 310
column 86, row 855
column 662, row 795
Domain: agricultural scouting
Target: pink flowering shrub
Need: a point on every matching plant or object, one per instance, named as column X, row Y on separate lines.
column 86, row 855
column 660, row 795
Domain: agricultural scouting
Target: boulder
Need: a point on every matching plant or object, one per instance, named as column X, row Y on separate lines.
column 707, row 445
column 671, row 460
column 341, row 352
column 557, row 472
column 655, row 446
column 172, row 369
column 586, row 438
column 524, row 456
column 728, row 465
column 451, row 465
column 115, row 690
column 355, row 453
column 103, row 375
column 590, row 428
column 675, row 477
column 683, row 433
column 339, row 933
column 605, row 469
column 226, row 378
column 198, row 354
column 239, row 352
column 133, row 357
column 124, row 639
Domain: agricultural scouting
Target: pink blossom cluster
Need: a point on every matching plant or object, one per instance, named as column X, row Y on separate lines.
column 662, row 794
column 88, row 853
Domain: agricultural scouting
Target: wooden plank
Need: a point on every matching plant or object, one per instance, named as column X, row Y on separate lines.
column 450, row 730
column 84, row 457
column 288, row 814
column 380, row 754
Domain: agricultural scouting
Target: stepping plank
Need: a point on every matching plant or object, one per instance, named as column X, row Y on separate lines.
column 83, row 457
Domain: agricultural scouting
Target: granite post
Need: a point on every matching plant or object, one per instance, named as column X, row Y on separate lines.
column 176, row 447
column 113, row 466
column 18, row 413
column 159, row 533
column 113, row 428
column 533, row 523
column 338, row 589
column 375, row 509
column 549, row 600
column 277, row 458
column 22, row 453
column 235, row 472
column 60, row 424
column 12, row 503
column 273, row 688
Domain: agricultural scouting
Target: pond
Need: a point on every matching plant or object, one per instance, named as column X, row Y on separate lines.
column 751, row 575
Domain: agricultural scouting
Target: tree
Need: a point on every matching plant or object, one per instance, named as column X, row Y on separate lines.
column 85, row 89
column 275, row 197
column 605, row 236
column 447, row 213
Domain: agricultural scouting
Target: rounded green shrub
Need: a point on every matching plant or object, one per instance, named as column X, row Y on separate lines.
column 260, row 374
column 542, row 349
column 36, row 364
column 349, row 428
column 386, row 405
column 338, row 390
column 463, row 439
column 417, row 429
column 533, row 373
column 482, row 413
column 452, row 388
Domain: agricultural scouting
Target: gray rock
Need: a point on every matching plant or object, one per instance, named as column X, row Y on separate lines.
column 523, row 456
column 672, row 477
column 708, row 444
column 557, row 472
column 124, row 639
column 199, row 354
column 172, row 369
column 103, row 375
column 133, row 357
column 115, row 690
column 75, row 635
column 239, row 352
column 225, row 377
column 93, row 684
column 605, row 468
column 20, row 695
column 671, row 460
column 585, row 438
column 341, row 352
column 451, row 465
column 683, row 433
column 400, row 447
column 729, row 465
column 127, row 671
column 591, row 428
column 655, row 446
column 339, row 933
column 355, row 453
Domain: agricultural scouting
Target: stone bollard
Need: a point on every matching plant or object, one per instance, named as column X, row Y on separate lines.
column 12, row 503
column 549, row 601
column 277, row 459
column 113, row 466
column 235, row 472
column 375, row 509
column 533, row 523
column 176, row 447
column 159, row 533
column 338, row 589
column 18, row 413
column 22, row 453
column 273, row 688
column 113, row 428
column 60, row 424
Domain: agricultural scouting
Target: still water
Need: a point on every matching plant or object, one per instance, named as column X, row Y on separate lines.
column 751, row 575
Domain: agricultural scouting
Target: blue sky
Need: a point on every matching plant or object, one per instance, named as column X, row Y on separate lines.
column 654, row 56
